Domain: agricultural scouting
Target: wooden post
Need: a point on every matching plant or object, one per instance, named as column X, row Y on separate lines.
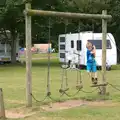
column 104, row 34
column 28, row 56
column 2, row 108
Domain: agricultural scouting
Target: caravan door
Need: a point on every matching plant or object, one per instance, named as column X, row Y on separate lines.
column 74, row 48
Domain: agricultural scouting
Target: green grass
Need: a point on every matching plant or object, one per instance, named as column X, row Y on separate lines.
column 80, row 113
column 42, row 55
column 12, row 80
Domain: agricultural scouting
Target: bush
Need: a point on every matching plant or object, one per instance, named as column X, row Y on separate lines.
column 116, row 67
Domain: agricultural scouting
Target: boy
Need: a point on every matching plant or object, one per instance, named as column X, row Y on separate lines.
column 91, row 63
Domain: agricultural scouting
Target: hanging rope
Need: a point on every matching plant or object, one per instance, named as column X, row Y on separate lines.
column 64, row 71
column 64, row 75
column 90, row 91
column 68, row 95
column 114, row 86
column 79, row 90
column 49, row 51
column 90, row 75
column 48, row 73
column 79, row 85
column 39, row 100
column 65, row 65
column 79, row 78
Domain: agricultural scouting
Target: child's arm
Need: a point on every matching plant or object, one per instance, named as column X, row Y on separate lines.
column 93, row 51
column 87, row 53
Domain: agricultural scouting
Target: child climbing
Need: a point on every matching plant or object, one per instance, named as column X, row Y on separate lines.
column 91, row 63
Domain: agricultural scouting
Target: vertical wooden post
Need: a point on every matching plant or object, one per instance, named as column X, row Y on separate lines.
column 2, row 108
column 28, row 56
column 104, row 35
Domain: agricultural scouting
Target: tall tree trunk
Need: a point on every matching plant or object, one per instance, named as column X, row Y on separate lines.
column 13, row 47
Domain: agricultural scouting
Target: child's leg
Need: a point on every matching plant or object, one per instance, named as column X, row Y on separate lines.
column 89, row 70
column 94, row 77
column 90, row 73
column 94, row 73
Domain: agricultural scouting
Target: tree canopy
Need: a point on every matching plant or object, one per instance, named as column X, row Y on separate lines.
column 12, row 19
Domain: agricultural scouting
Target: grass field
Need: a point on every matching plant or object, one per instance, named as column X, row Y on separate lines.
column 12, row 80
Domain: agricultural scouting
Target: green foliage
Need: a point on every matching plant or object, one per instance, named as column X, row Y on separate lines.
column 13, row 84
column 11, row 17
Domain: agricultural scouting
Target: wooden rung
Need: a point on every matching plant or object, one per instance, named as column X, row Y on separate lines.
column 97, row 85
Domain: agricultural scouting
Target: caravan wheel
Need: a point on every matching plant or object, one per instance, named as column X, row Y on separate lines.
column 108, row 68
column 99, row 67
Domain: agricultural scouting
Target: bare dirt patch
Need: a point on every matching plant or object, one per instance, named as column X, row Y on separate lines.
column 77, row 103
column 15, row 101
column 23, row 112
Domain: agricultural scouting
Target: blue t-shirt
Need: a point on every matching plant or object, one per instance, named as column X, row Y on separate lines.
column 90, row 57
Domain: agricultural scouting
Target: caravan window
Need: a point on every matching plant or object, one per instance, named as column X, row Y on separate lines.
column 62, row 55
column 62, row 47
column 98, row 44
column 62, row 39
column 72, row 44
column 79, row 45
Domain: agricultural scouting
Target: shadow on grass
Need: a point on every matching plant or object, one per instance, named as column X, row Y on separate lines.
column 96, row 97
column 45, row 63
column 35, row 63
column 116, row 67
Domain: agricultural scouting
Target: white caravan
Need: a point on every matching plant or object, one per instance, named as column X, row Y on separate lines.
column 5, row 50
column 73, row 45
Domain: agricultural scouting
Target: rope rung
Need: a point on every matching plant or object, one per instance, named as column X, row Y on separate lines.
column 62, row 91
column 79, row 87
column 48, row 93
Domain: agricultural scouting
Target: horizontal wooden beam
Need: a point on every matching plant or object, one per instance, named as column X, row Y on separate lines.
column 66, row 14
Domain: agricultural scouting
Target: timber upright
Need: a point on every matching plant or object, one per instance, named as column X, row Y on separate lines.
column 28, row 54
column 104, row 31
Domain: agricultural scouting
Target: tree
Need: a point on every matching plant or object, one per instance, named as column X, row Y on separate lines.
column 114, row 26
column 10, row 19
